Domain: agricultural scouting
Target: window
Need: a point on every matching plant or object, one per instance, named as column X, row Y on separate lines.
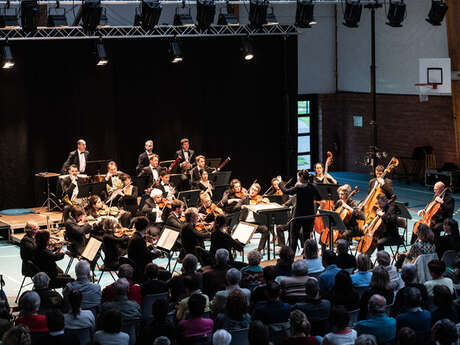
column 303, row 134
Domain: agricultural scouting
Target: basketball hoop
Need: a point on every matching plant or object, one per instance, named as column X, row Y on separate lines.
column 424, row 89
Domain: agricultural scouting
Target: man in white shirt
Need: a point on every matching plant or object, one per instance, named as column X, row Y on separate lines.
column 79, row 157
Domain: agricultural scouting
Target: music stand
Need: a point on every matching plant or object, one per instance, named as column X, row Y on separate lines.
column 332, row 221
column 401, row 209
column 328, row 191
column 213, row 162
column 97, row 188
column 91, row 253
column 176, row 180
column 167, row 241
column 95, row 167
column 220, row 177
column 219, row 192
column 49, row 200
column 191, row 198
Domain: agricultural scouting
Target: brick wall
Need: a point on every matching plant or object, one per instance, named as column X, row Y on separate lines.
column 403, row 124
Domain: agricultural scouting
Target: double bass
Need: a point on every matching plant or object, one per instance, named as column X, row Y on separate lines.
column 324, row 204
column 429, row 211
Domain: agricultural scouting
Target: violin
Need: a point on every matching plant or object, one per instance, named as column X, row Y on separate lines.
column 123, row 232
column 203, row 226
column 242, row 193
column 216, row 211
column 164, row 203
column 259, row 199
column 55, row 243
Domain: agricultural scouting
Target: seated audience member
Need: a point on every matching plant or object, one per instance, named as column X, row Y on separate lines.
column 451, row 238
column 366, row 339
column 130, row 310
column 442, row 299
column 18, row 335
column 49, row 299
column 221, row 337
column 90, row 292
column 259, row 293
column 284, row 264
column 220, row 299
column 152, row 285
column 300, row 330
column 341, row 334
column 236, row 314
column 406, row 336
column 362, row 278
column 214, row 279
column 196, row 325
column 327, row 278
column 134, row 293
column 384, row 260
column 437, row 268
column 344, row 259
column 415, row 317
column 272, row 311
column 192, row 287
column 258, row 333
column 253, row 273
column 29, row 304
column 160, row 325
column 444, row 332
column 111, row 333
column 293, row 288
column 380, row 285
column 423, row 245
column 409, row 277
column 77, row 318
column 162, row 341
column 314, row 262
column 316, row 309
column 176, row 283
column 5, row 318
column 56, row 335
column 343, row 292
column 377, row 323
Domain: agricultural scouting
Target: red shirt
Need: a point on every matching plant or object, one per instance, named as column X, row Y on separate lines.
column 35, row 322
column 134, row 293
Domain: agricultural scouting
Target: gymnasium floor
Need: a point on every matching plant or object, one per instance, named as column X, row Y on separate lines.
column 416, row 195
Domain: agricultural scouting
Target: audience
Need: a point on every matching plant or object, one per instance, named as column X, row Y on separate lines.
column 341, row 334
column 344, row 259
column 406, row 336
column 451, row 238
column 377, row 323
column 214, row 279
column 219, row 302
column 162, row 341
column 253, row 273
column 129, row 310
column 442, row 299
column 18, row 335
column 314, row 263
column 152, row 285
column 293, row 288
column 444, row 332
column 423, row 245
column 221, row 337
column 176, row 283
column 343, row 292
column 196, row 325
column 300, row 330
column 283, row 266
column 111, row 333
column 29, row 304
column 327, row 278
column 362, row 278
column 258, row 333
column 366, row 339
column 259, row 294
column 380, row 285
column 437, row 268
column 49, row 299
column 236, row 314
column 192, row 287
column 134, row 292
column 77, row 318
column 56, row 335
column 159, row 326
column 384, row 260
column 272, row 311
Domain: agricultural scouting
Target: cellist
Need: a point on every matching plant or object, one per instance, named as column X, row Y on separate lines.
column 385, row 183
column 351, row 206
column 388, row 233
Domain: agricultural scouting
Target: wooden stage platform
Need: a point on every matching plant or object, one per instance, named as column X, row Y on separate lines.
column 17, row 223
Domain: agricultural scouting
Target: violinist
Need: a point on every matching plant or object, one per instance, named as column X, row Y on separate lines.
column 220, row 238
column 204, row 184
column 95, row 207
column 165, row 185
column 76, row 229
column 275, row 190
column 385, row 183
column 345, row 202
column 144, row 158
column 192, row 240
column 198, row 171
column 208, row 210
column 113, row 246
column 156, row 214
column 174, row 218
column 232, row 196
column 27, row 245
column 388, row 234
column 128, row 190
column 153, row 172
column 320, row 177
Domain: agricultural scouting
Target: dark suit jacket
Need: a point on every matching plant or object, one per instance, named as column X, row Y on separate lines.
column 196, row 175
column 214, row 280
column 76, row 235
column 139, row 253
column 113, row 249
column 180, row 154
column 46, row 261
column 174, row 222
column 306, row 194
column 147, row 171
column 27, row 248
column 142, row 162
column 73, row 159
column 152, row 216
column 192, row 238
column 220, row 239
column 68, row 186
column 447, row 208
column 162, row 188
column 387, row 187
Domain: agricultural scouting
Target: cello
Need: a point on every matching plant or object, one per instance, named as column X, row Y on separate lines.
column 324, row 204
column 429, row 211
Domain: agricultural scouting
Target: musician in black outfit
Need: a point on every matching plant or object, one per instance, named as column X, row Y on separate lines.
column 165, row 185
column 306, row 193
column 152, row 171
column 385, row 183
column 114, row 247
column 232, row 196
column 352, row 206
column 153, row 212
column 220, row 238
column 198, row 170
column 192, row 240
column 144, row 158
column 320, row 177
column 173, row 220
column 275, row 190
column 27, row 246
column 186, row 157
column 75, row 232
column 79, row 157
column 388, row 233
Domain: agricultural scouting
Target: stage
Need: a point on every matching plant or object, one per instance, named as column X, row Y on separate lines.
column 415, row 195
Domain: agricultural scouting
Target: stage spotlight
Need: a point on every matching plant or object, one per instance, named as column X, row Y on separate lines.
column 271, row 18
column 437, row 12
column 101, row 57
column 304, row 14
column 9, row 20
column 184, row 19
column 176, row 52
column 227, row 19
column 29, row 15
column 258, row 13
column 90, row 14
column 205, row 13
column 352, row 13
column 150, row 14
column 7, row 57
column 56, row 20
column 396, row 13
column 247, row 49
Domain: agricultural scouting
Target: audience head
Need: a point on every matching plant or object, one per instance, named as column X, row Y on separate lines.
column 406, row 336
column 329, row 258
column 161, row 341
column 55, row 320
column 222, row 256
column 151, row 271
column 41, row 281
column 310, row 249
column 221, row 337
column 339, row 317
column 269, row 273
column 299, row 323
column 363, row 262
column 233, row 276
column 425, row 234
column 312, row 288
column 237, row 304
column 126, row 271
column 299, row 268
column 383, row 258
column 140, row 223
column 444, row 332
column 196, row 305
column 380, row 279
column 29, row 303
column 273, row 291
column 342, row 246
column 286, row 255
column 121, row 287
column 450, row 226
column 82, row 269
column 442, row 297
column 189, row 264
column 111, row 321
column 409, row 273
column 75, row 302
column 377, row 304
column 343, row 283
column 160, row 309
column 191, row 284
column 413, row 298
column 258, row 333
column 18, row 335
column 436, row 268
column 254, row 257
column 366, row 339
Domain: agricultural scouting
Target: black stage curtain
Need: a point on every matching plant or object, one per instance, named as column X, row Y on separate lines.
column 224, row 105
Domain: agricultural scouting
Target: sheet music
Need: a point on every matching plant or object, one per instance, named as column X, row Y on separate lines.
column 167, row 239
column 244, row 231
column 91, row 249
column 260, row 207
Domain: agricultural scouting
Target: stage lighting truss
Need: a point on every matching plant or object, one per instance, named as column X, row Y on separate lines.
column 101, row 54
column 396, row 13
column 183, row 19
column 226, row 18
